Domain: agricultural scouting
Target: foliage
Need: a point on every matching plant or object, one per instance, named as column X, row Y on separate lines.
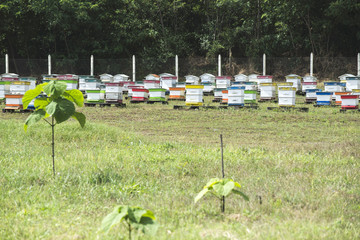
column 134, row 218
column 221, row 188
column 59, row 103
column 113, row 29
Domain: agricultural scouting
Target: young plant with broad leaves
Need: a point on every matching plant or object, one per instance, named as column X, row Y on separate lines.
column 134, row 218
column 57, row 106
column 221, row 188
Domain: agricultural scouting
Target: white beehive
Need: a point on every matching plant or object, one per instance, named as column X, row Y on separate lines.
column 191, row 79
column 106, row 78
column 18, row 87
column 218, row 93
column 14, row 101
column 295, row 80
column 167, row 82
column 323, row 98
column 9, row 77
column 253, row 78
column 309, row 79
column 236, row 96
column 343, row 77
column 177, row 93
column 31, row 80
column 208, row 87
column 287, row 96
column 223, row 81
column 338, row 96
column 267, row 90
column 140, row 94
column 264, row 79
column 95, row 96
column 92, row 84
column 311, row 94
column 121, row 78
column 241, row 78
column 148, row 84
column 308, row 85
column 349, row 101
column 194, row 95
column 207, row 78
column 152, row 77
column 352, row 83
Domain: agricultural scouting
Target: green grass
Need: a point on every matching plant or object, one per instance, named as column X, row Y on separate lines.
column 304, row 166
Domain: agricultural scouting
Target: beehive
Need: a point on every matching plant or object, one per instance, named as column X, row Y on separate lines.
column 218, row 93
column 131, row 88
column 223, row 81
column 225, row 95
column 309, row 79
column 177, row 93
column 334, row 87
column 95, row 96
column 352, row 83
column 191, row 79
column 113, row 92
column 253, row 78
column 157, row 94
column 17, row 87
column 287, row 96
column 208, row 87
column 264, row 79
column 338, row 96
column 148, row 84
column 311, row 94
column 356, row 92
column 343, row 77
column 92, row 84
column 167, row 82
column 140, row 94
column 14, row 101
column 152, row 77
column 250, row 96
column 194, row 95
column 267, row 90
column 241, row 78
column 82, row 81
column 284, row 84
column 323, row 98
column 10, row 77
column 121, row 78
column 181, row 84
column 308, row 85
column 106, row 78
column 31, row 80
column 349, row 101
column 295, row 80
column 236, row 96
column 207, row 78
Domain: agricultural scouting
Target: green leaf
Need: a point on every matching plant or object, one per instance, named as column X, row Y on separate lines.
column 237, row 184
column 61, row 109
column 55, row 89
column 135, row 214
column 241, row 194
column 31, row 94
column 212, row 182
column 80, row 118
column 201, row 194
column 223, row 188
column 34, row 118
column 75, row 96
column 114, row 218
column 146, row 225
column 41, row 103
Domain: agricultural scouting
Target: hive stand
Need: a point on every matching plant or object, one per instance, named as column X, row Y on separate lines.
column 107, row 104
column 285, row 108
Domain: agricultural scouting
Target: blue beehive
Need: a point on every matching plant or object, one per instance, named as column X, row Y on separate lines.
column 323, row 98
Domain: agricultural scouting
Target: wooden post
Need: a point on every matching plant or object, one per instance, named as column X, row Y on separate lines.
column 133, row 68
column 49, row 64
column 311, row 64
column 219, row 65
column 222, row 171
column 176, row 66
column 264, row 64
column 91, row 65
column 6, row 63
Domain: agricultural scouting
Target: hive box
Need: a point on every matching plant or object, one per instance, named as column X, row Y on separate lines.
column 311, row 94
column 241, row 78
column 140, row 94
column 148, row 84
column 207, row 78
column 264, row 79
column 194, row 95
column 31, row 80
column 267, row 90
column 14, row 101
column 177, row 93
column 223, row 81
column 95, row 95
column 338, row 97
column 152, row 77
column 106, row 78
column 92, row 84
column 250, row 96
column 17, row 87
column 284, row 84
column 308, row 85
column 287, row 96
column 191, row 79
column 121, row 78
column 295, row 80
column 323, row 98
column 167, row 82
column 236, row 96
column 352, row 83
column 225, row 95
column 218, row 93
column 113, row 92
column 349, row 102
column 10, row 77
column 208, row 87
column 157, row 94
column 70, row 84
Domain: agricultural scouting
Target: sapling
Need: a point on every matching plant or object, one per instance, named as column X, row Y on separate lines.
column 134, row 218
column 56, row 107
column 221, row 188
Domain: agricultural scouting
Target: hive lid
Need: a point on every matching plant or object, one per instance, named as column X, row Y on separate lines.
column 194, row 86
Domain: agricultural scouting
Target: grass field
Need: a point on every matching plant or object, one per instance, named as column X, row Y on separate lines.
column 304, row 166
